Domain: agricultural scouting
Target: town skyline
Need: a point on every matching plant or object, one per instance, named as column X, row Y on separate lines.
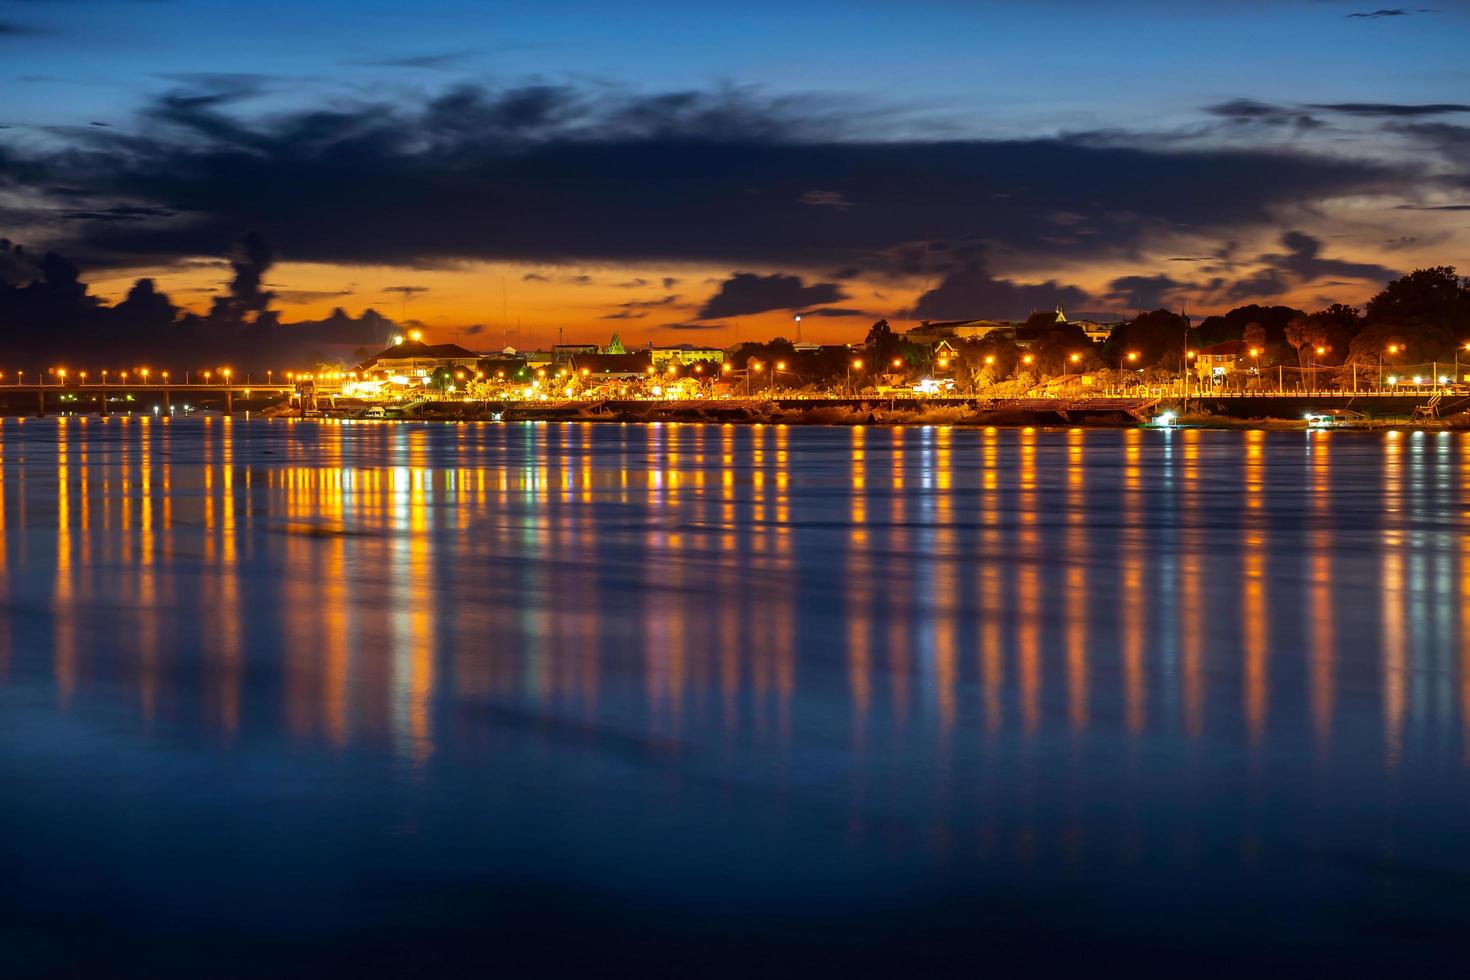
column 502, row 187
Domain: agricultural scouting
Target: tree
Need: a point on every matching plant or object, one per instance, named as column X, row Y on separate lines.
column 1425, row 296
column 1157, row 338
column 1305, row 332
column 1254, row 335
column 1054, row 351
column 882, row 343
column 1231, row 326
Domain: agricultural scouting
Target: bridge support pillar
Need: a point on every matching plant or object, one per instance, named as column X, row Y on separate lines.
column 102, row 411
column 229, row 402
column 40, row 403
column 167, row 407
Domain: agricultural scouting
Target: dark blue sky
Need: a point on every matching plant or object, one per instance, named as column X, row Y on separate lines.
column 939, row 157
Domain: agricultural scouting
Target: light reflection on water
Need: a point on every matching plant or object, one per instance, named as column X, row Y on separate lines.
column 907, row 687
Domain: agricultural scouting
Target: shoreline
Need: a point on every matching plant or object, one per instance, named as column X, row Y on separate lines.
column 1001, row 420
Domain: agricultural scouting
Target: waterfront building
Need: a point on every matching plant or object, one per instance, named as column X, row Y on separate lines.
column 1218, row 360
column 933, row 331
column 414, row 362
column 684, row 354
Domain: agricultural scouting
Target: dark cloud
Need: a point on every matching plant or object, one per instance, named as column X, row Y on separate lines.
column 834, row 311
column 1251, row 112
column 746, row 293
column 1303, row 259
column 971, row 292
column 287, row 295
column 1142, row 292
column 119, row 213
column 624, row 315
column 439, row 60
column 11, row 29
column 669, row 282
column 634, row 304
column 1388, row 12
column 534, row 277
column 631, row 284
column 408, row 292
column 1448, row 138
column 1300, row 264
column 1392, row 109
column 251, row 257
column 564, row 177
column 1433, row 207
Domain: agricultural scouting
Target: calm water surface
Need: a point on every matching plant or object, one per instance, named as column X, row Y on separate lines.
column 286, row 698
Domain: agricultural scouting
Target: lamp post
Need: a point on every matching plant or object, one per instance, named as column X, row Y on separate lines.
column 856, row 364
column 1457, row 360
column 1392, row 349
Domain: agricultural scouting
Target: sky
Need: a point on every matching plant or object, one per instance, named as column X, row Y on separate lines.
column 522, row 172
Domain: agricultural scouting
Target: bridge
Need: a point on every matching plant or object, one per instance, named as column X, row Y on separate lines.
column 99, row 397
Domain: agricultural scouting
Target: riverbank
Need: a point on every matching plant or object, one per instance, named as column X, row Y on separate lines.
column 953, row 413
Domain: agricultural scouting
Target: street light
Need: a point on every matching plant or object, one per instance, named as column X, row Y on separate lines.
column 1392, row 349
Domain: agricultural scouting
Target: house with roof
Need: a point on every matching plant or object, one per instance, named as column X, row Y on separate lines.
column 1213, row 363
column 414, row 361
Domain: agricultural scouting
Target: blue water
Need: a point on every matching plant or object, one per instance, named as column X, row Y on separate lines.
column 299, row 698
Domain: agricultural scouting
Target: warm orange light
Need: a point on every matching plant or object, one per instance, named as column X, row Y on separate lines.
column 780, row 365
column 1075, row 358
column 1189, row 354
column 1027, row 359
column 1321, row 350
column 726, row 368
column 650, row 370
column 989, row 359
column 858, row 364
column 416, row 335
column 898, row 362
column 1133, row 355
column 943, row 362
column 755, row 365
column 1254, row 352
column 1393, row 348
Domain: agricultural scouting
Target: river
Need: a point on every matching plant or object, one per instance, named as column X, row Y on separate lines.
column 280, row 698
